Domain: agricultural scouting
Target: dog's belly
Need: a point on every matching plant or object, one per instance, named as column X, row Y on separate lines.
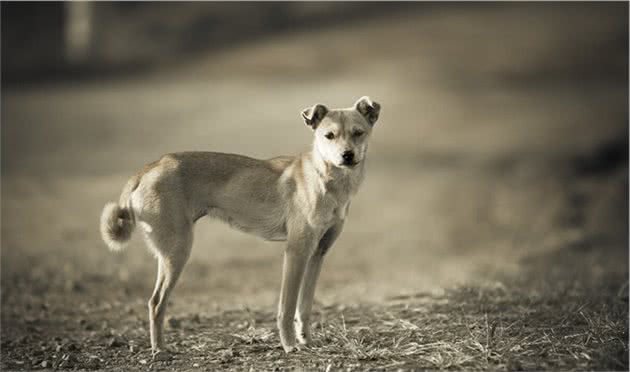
column 269, row 226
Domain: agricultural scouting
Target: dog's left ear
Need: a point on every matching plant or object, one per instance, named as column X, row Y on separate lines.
column 368, row 109
column 313, row 115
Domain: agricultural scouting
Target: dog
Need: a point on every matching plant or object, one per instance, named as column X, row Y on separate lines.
column 303, row 200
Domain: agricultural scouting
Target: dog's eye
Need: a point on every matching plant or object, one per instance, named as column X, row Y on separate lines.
column 329, row 135
column 357, row 133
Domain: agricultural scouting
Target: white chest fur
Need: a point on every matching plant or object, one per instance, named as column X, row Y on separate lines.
column 331, row 200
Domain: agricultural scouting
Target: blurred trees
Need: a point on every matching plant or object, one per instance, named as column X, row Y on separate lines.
column 44, row 39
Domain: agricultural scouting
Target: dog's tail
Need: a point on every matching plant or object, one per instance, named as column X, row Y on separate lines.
column 118, row 220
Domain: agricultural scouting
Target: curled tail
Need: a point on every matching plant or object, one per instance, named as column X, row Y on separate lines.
column 118, row 220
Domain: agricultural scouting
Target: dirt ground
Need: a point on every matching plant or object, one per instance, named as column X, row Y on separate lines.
column 490, row 233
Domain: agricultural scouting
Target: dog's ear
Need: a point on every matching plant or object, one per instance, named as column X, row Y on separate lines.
column 313, row 115
column 368, row 109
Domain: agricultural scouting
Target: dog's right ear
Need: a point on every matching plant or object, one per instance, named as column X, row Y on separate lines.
column 313, row 115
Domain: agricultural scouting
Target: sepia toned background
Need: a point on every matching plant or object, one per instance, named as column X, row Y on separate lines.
column 499, row 162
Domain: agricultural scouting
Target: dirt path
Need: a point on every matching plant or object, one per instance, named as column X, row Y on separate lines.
column 489, row 154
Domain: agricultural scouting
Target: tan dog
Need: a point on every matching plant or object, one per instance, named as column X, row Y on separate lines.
column 303, row 200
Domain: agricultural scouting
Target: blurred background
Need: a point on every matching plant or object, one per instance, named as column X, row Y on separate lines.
column 503, row 138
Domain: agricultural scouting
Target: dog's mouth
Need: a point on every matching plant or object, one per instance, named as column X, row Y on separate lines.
column 350, row 164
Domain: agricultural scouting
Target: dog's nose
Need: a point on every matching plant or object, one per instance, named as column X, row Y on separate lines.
column 348, row 156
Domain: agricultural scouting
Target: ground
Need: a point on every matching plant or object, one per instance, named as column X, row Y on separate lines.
column 490, row 232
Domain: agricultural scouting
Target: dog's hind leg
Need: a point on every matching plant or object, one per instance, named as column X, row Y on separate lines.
column 153, row 302
column 173, row 252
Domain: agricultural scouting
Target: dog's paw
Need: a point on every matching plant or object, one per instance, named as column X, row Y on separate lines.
column 289, row 344
column 288, row 339
column 162, row 356
column 290, row 348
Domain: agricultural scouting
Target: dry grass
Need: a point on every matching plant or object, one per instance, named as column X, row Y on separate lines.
column 467, row 328
column 479, row 328
column 491, row 326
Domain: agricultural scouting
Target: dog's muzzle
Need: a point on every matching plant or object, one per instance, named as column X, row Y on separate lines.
column 348, row 158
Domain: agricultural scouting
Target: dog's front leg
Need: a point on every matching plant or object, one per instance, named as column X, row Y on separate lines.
column 309, row 282
column 301, row 242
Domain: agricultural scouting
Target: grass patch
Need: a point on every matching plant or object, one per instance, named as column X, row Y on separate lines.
column 469, row 328
column 536, row 322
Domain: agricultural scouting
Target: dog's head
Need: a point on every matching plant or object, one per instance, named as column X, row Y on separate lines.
column 341, row 135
